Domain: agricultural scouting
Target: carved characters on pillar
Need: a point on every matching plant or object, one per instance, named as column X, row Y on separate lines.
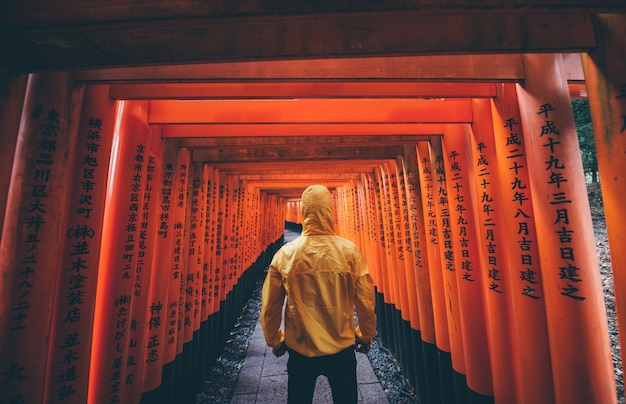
column 442, row 201
column 515, row 155
column 560, row 200
column 489, row 224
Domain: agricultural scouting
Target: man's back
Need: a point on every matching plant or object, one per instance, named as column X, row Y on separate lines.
column 320, row 276
column 324, row 278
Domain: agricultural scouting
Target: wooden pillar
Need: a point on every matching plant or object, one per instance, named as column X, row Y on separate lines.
column 196, row 243
column 406, row 282
column 210, row 249
column 178, row 263
column 12, row 90
column 577, row 326
column 142, row 278
column 469, row 274
column 415, row 231
column 492, row 233
column 433, row 247
column 33, row 231
column 533, row 365
column 158, row 307
column 446, row 251
column 391, row 294
column 73, row 309
column 206, row 309
column 372, row 226
column 119, row 255
column 605, row 75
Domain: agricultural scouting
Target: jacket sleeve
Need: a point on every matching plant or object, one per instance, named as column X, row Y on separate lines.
column 365, row 302
column 272, row 299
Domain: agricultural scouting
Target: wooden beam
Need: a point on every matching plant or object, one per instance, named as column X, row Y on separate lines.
column 35, row 15
column 311, row 111
column 302, row 89
column 356, row 165
column 197, row 40
column 495, row 67
column 211, row 134
column 319, row 176
column 327, row 141
column 294, row 188
column 293, row 153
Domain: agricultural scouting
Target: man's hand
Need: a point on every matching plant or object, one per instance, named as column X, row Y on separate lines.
column 362, row 347
column 280, row 351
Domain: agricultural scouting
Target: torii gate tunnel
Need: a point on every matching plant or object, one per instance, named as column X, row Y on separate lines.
column 144, row 197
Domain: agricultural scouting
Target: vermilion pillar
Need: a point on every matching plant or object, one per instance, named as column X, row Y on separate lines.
column 446, row 251
column 605, row 75
column 577, row 326
column 495, row 271
column 391, row 294
column 412, row 234
column 158, row 305
column 532, row 365
column 469, row 274
column 433, row 246
column 178, row 264
column 406, row 282
column 206, row 233
column 73, row 309
column 141, row 312
column 33, row 232
column 182, row 225
column 372, row 252
column 118, row 257
column 213, row 299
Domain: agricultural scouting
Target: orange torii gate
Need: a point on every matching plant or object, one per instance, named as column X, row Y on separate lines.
column 163, row 248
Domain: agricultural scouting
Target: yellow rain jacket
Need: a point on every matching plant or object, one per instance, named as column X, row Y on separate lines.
column 324, row 278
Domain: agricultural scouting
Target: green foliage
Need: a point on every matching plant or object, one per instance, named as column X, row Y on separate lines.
column 584, row 129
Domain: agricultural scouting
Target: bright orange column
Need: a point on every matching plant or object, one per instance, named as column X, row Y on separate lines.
column 206, row 232
column 446, row 251
column 433, row 247
column 235, row 251
column 222, row 268
column 33, row 232
column 228, row 275
column 496, row 273
column 404, row 287
column 187, row 287
column 177, row 265
column 408, row 245
column 119, row 255
column 470, row 277
column 194, row 230
column 211, row 247
column 419, row 245
column 72, row 318
column 162, row 263
column 373, row 252
column 605, row 75
column 142, row 277
column 387, row 227
column 532, row 363
column 577, row 326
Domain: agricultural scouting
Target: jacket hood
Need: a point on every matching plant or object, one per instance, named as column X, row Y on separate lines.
column 317, row 211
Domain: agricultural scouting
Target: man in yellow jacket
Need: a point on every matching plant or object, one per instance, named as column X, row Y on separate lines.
column 324, row 278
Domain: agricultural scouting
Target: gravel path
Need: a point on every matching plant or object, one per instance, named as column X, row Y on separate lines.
column 222, row 379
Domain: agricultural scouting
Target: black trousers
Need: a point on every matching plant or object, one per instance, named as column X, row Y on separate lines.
column 340, row 369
